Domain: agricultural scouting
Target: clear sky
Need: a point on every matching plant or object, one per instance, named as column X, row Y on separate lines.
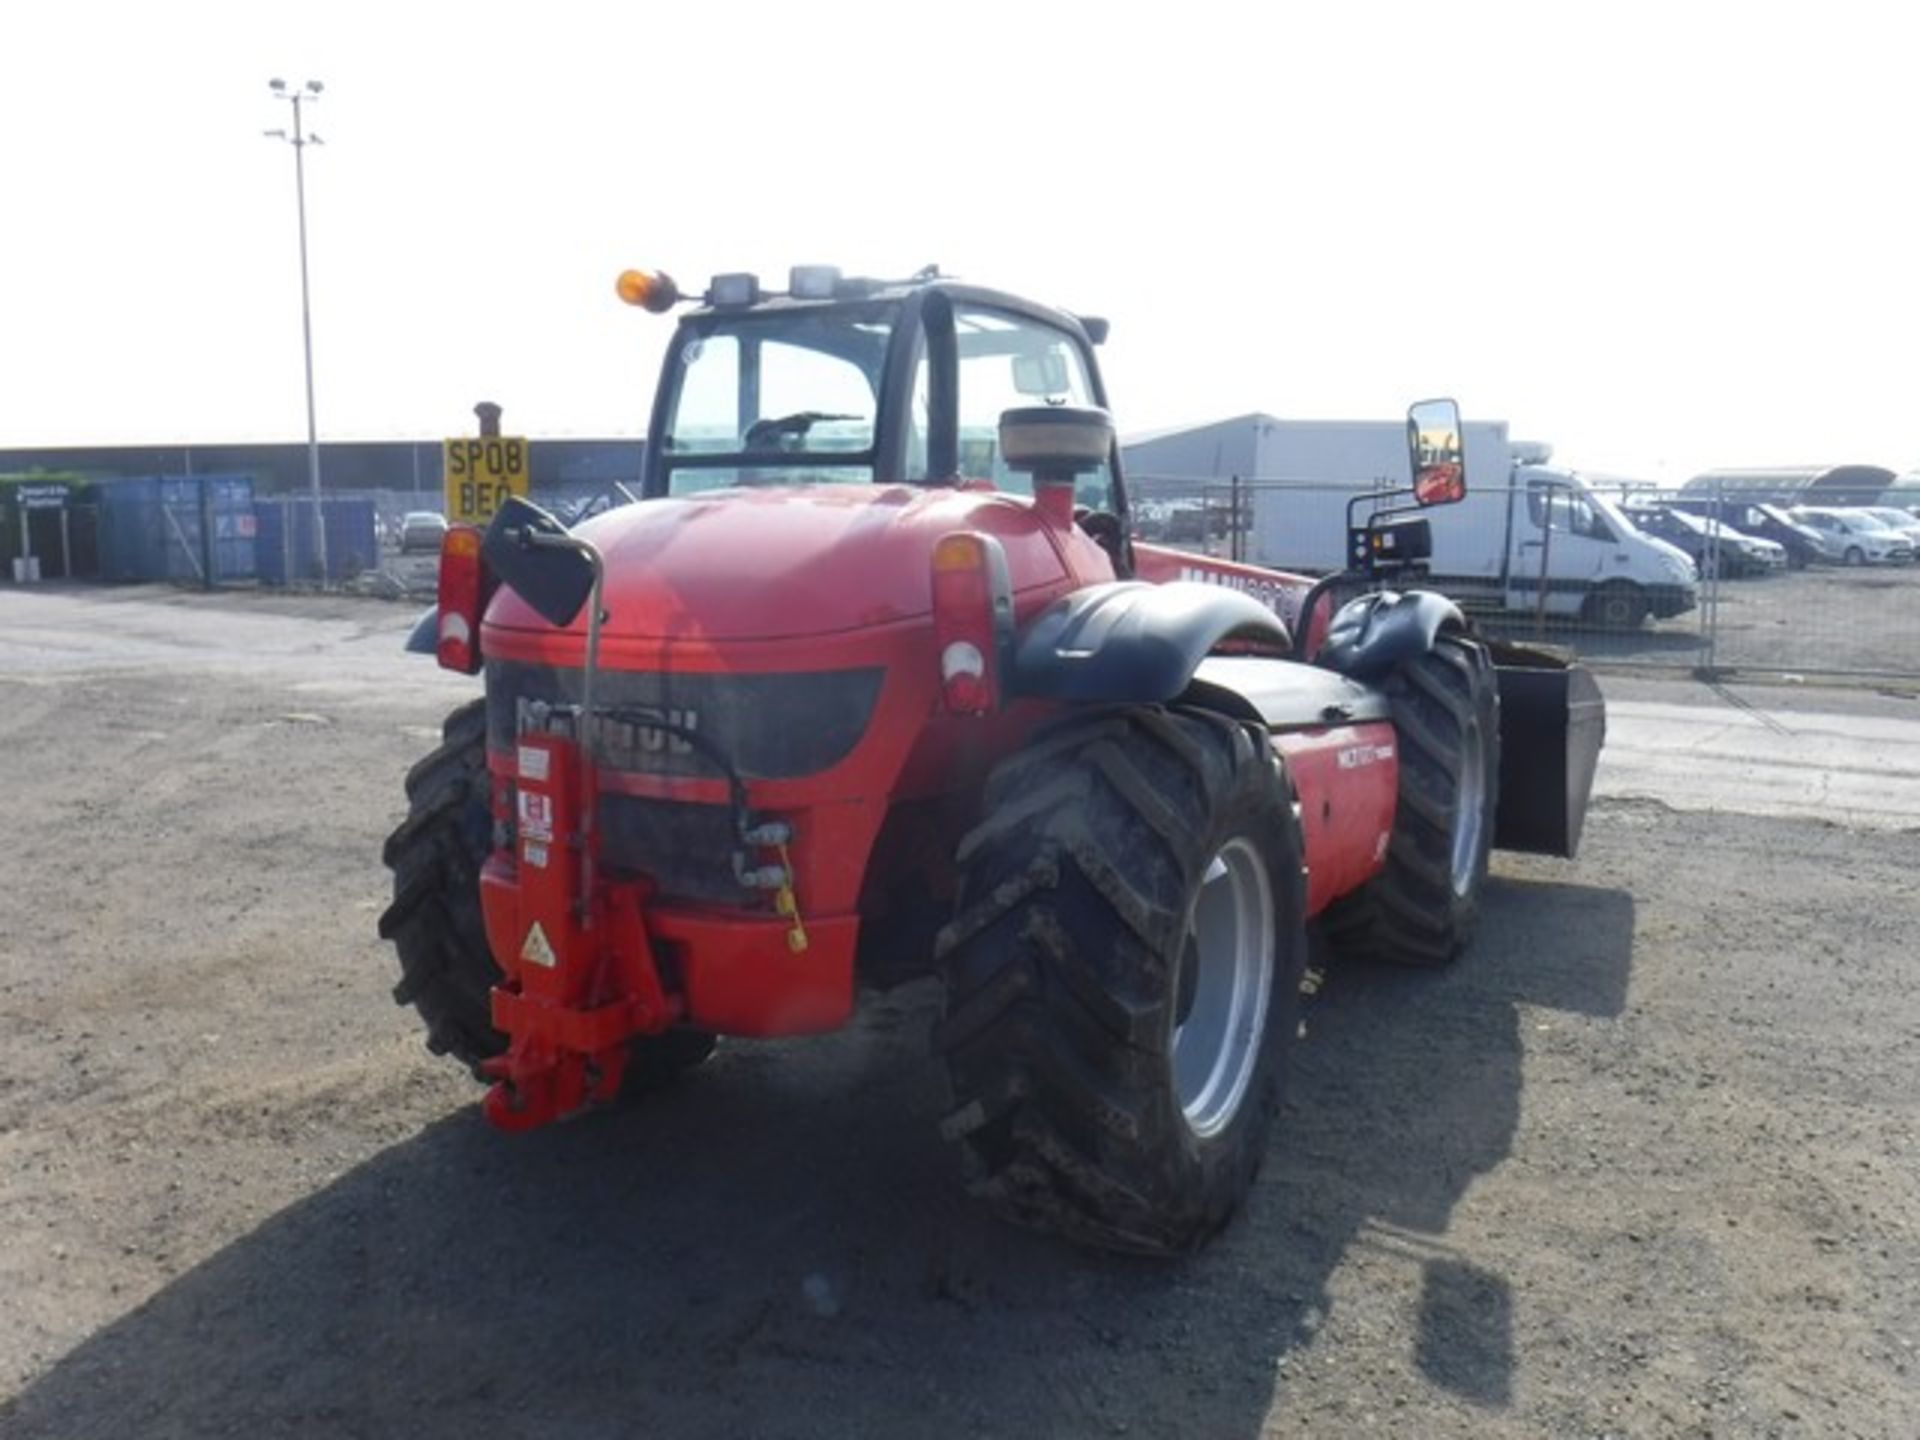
column 1661, row 236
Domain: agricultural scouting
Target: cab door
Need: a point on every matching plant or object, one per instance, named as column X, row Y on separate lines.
column 977, row 361
column 1562, row 542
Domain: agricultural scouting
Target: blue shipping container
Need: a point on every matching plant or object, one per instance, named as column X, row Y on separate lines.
column 227, row 506
column 283, row 543
column 190, row 529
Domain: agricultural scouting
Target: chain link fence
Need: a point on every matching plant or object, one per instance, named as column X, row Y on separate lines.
column 1694, row 580
column 406, row 564
column 1705, row 581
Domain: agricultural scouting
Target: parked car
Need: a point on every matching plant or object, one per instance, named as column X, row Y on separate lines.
column 422, row 530
column 1737, row 553
column 1181, row 522
column 1766, row 522
column 1900, row 522
column 1853, row 537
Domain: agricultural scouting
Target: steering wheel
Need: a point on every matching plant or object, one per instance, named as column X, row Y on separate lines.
column 786, row 432
column 769, row 435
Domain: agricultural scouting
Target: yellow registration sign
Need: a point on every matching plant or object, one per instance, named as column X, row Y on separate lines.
column 482, row 470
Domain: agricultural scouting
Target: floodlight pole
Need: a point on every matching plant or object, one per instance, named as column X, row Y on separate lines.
column 299, row 139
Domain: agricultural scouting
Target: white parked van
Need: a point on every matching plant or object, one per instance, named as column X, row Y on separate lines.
column 1523, row 524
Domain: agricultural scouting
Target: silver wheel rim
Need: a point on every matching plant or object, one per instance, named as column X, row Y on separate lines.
column 1469, row 810
column 1223, row 985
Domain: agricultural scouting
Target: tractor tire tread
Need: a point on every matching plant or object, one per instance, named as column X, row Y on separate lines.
column 1057, row 1022
column 1409, row 914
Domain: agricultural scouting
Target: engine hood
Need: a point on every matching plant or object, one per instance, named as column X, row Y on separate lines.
column 773, row 563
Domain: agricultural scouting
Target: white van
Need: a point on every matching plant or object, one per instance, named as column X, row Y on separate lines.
column 1522, row 525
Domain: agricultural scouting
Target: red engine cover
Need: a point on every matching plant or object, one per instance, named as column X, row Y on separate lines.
column 783, row 563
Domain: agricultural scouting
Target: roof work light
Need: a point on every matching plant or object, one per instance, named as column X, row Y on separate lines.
column 813, row 282
column 735, row 289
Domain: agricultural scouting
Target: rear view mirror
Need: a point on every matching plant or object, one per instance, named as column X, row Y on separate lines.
column 554, row 579
column 1044, row 373
column 1437, row 451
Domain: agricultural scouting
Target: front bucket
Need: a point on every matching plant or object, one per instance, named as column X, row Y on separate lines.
column 1553, row 722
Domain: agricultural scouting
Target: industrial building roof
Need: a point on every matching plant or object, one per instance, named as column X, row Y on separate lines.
column 1799, row 484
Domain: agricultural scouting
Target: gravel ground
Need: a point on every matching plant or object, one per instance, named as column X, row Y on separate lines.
column 1642, row 1164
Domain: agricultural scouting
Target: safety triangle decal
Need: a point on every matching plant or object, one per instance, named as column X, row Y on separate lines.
column 537, row 951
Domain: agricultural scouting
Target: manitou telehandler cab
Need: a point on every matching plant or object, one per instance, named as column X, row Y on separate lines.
column 873, row 683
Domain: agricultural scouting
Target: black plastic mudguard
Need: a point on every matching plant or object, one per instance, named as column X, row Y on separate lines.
column 1553, row 721
column 1129, row 641
column 1372, row 635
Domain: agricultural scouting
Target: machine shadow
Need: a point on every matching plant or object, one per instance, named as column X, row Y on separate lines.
column 781, row 1247
column 1408, row 1091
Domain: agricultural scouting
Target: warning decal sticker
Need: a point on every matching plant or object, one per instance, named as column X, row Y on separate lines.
column 536, row 950
column 536, row 815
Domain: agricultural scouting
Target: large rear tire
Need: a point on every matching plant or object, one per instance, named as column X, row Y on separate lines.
column 1422, row 908
column 1123, row 975
column 447, row 973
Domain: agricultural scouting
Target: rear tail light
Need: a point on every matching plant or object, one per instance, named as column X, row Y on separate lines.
column 972, row 620
column 465, row 588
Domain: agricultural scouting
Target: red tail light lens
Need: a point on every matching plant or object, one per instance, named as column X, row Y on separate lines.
column 972, row 620
column 465, row 589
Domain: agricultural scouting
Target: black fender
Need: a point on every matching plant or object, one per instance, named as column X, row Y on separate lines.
column 424, row 638
column 1129, row 641
column 1372, row 634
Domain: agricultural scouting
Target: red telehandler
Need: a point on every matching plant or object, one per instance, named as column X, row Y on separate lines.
column 873, row 682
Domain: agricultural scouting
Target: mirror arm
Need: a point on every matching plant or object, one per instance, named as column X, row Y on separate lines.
column 1377, row 497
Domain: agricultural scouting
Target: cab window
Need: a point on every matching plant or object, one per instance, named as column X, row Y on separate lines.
column 1567, row 511
column 779, row 399
column 1005, row 362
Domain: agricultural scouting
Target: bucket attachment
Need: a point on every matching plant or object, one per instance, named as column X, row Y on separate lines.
column 1553, row 722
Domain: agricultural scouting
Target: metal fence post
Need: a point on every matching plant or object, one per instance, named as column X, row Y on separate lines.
column 1546, row 563
column 1718, row 510
column 1236, row 547
column 206, row 536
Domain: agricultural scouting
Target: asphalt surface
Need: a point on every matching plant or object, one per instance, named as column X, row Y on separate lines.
column 1854, row 761
column 1640, row 1164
